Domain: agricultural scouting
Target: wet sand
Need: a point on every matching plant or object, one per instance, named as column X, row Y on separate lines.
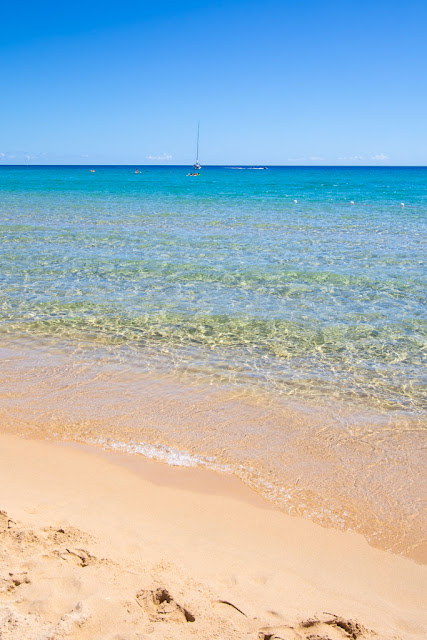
column 338, row 465
column 103, row 546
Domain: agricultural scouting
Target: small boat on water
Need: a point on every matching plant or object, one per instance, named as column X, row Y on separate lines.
column 197, row 166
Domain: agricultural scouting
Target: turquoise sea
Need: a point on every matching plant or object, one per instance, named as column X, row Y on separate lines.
column 306, row 283
column 315, row 297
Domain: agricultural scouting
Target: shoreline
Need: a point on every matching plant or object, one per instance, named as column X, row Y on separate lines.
column 162, row 474
column 208, row 540
column 333, row 463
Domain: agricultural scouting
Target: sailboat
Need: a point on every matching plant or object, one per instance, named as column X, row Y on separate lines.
column 196, row 165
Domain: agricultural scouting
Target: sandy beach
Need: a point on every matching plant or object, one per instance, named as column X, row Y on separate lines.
column 213, row 328
column 98, row 545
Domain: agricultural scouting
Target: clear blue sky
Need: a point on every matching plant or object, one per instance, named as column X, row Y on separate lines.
column 272, row 82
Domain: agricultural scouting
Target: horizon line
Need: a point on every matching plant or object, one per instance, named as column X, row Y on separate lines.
column 229, row 165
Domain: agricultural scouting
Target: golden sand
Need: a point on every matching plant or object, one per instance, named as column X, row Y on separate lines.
column 101, row 547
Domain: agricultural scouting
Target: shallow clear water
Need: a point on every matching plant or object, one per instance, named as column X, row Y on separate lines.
column 251, row 321
column 225, row 270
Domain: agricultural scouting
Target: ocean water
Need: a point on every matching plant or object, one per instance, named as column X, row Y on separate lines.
column 289, row 301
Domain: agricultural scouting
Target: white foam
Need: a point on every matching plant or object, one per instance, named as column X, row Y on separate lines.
column 160, row 452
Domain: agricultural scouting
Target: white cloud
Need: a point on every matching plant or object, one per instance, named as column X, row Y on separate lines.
column 84, row 155
column 352, row 158
column 306, row 159
column 20, row 156
column 164, row 156
column 380, row 156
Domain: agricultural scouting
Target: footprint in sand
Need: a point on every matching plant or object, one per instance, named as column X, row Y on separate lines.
column 160, row 606
column 329, row 628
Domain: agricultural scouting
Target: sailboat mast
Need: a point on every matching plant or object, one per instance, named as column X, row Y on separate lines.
column 196, row 165
column 197, row 152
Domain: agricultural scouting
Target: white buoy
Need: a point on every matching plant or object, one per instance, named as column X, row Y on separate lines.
column 296, row 201
column 402, row 204
column 351, row 201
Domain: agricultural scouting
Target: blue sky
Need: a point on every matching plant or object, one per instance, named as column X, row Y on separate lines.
column 272, row 82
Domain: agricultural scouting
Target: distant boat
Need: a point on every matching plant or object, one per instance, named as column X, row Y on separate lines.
column 197, row 165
